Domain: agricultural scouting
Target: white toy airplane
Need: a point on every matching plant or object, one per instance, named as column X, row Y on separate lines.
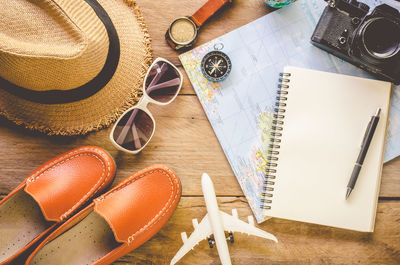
column 216, row 222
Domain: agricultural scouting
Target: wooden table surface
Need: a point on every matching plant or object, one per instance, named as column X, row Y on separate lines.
column 185, row 141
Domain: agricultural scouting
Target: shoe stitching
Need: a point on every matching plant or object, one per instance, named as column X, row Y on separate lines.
column 55, row 163
column 163, row 211
column 87, row 196
column 62, row 160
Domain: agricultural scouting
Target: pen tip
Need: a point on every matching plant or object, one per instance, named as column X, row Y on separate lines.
column 348, row 192
column 378, row 112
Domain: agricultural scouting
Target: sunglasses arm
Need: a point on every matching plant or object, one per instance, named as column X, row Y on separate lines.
column 125, row 130
column 159, row 74
column 173, row 82
column 135, row 135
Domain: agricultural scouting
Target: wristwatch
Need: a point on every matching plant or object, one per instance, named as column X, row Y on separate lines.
column 183, row 31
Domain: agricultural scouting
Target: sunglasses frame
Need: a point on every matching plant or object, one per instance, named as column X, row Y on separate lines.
column 142, row 105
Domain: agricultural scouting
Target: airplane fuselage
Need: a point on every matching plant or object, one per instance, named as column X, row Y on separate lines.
column 215, row 219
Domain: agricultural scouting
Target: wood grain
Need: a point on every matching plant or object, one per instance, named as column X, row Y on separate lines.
column 299, row 243
column 185, row 141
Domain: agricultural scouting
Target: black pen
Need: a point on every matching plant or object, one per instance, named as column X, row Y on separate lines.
column 369, row 133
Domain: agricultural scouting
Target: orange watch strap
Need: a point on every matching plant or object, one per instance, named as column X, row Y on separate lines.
column 171, row 43
column 207, row 10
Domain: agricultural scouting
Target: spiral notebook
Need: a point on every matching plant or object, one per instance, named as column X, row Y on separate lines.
column 320, row 122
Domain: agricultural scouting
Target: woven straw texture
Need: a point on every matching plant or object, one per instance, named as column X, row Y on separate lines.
column 60, row 45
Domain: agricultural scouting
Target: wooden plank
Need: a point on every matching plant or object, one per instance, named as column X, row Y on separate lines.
column 299, row 243
column 184, row 140
column 390, row 186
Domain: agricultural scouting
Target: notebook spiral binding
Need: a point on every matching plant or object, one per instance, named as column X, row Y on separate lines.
column 275, row 140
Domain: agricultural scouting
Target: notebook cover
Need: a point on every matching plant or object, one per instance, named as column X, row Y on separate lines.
column 325, row 120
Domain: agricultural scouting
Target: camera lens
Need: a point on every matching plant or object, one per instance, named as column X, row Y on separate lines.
column 381, row 38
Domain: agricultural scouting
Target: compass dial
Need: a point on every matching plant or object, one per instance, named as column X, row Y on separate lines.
column 216, row 66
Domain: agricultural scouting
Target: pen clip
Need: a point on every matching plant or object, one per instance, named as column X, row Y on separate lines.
column 378, row 112
column 365, row 134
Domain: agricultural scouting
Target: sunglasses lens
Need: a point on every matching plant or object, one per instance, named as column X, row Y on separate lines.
column 133, row 130
column 163, row 82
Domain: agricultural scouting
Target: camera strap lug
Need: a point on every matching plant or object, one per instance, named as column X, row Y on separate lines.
column 331, row 3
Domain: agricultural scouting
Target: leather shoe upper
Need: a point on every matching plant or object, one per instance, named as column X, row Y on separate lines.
column 51, row 194
column 139, row 202
column 64, row 183
column 115, row 223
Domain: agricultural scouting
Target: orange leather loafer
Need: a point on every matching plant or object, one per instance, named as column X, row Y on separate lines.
column 115, row 223
column 50, row 195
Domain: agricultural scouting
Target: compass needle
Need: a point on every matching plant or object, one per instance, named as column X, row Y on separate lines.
column 216, row 66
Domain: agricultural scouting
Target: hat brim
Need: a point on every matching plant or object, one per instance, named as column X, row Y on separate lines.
column 103, row 108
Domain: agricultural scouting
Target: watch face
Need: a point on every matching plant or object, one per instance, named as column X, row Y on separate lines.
column 183, row 31
column 216, row 66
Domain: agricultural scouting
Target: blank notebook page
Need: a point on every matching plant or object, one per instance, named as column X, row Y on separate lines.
column 325, row 121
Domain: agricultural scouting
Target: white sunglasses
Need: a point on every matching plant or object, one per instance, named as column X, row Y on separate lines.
column 135, row 128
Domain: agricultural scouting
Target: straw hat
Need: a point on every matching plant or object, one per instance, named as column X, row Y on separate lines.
column 71, row 66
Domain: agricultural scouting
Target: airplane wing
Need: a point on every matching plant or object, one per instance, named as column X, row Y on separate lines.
column 233, row 224
column 201, row 232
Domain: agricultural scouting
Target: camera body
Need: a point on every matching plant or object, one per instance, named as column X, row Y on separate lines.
column 369, row 41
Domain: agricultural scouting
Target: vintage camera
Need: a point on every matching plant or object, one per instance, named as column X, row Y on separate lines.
column 370, row 41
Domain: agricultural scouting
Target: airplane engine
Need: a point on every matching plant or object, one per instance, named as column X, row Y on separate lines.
column 195, row 223
column 184, row 237
column 235, row 213
column 251, row 220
